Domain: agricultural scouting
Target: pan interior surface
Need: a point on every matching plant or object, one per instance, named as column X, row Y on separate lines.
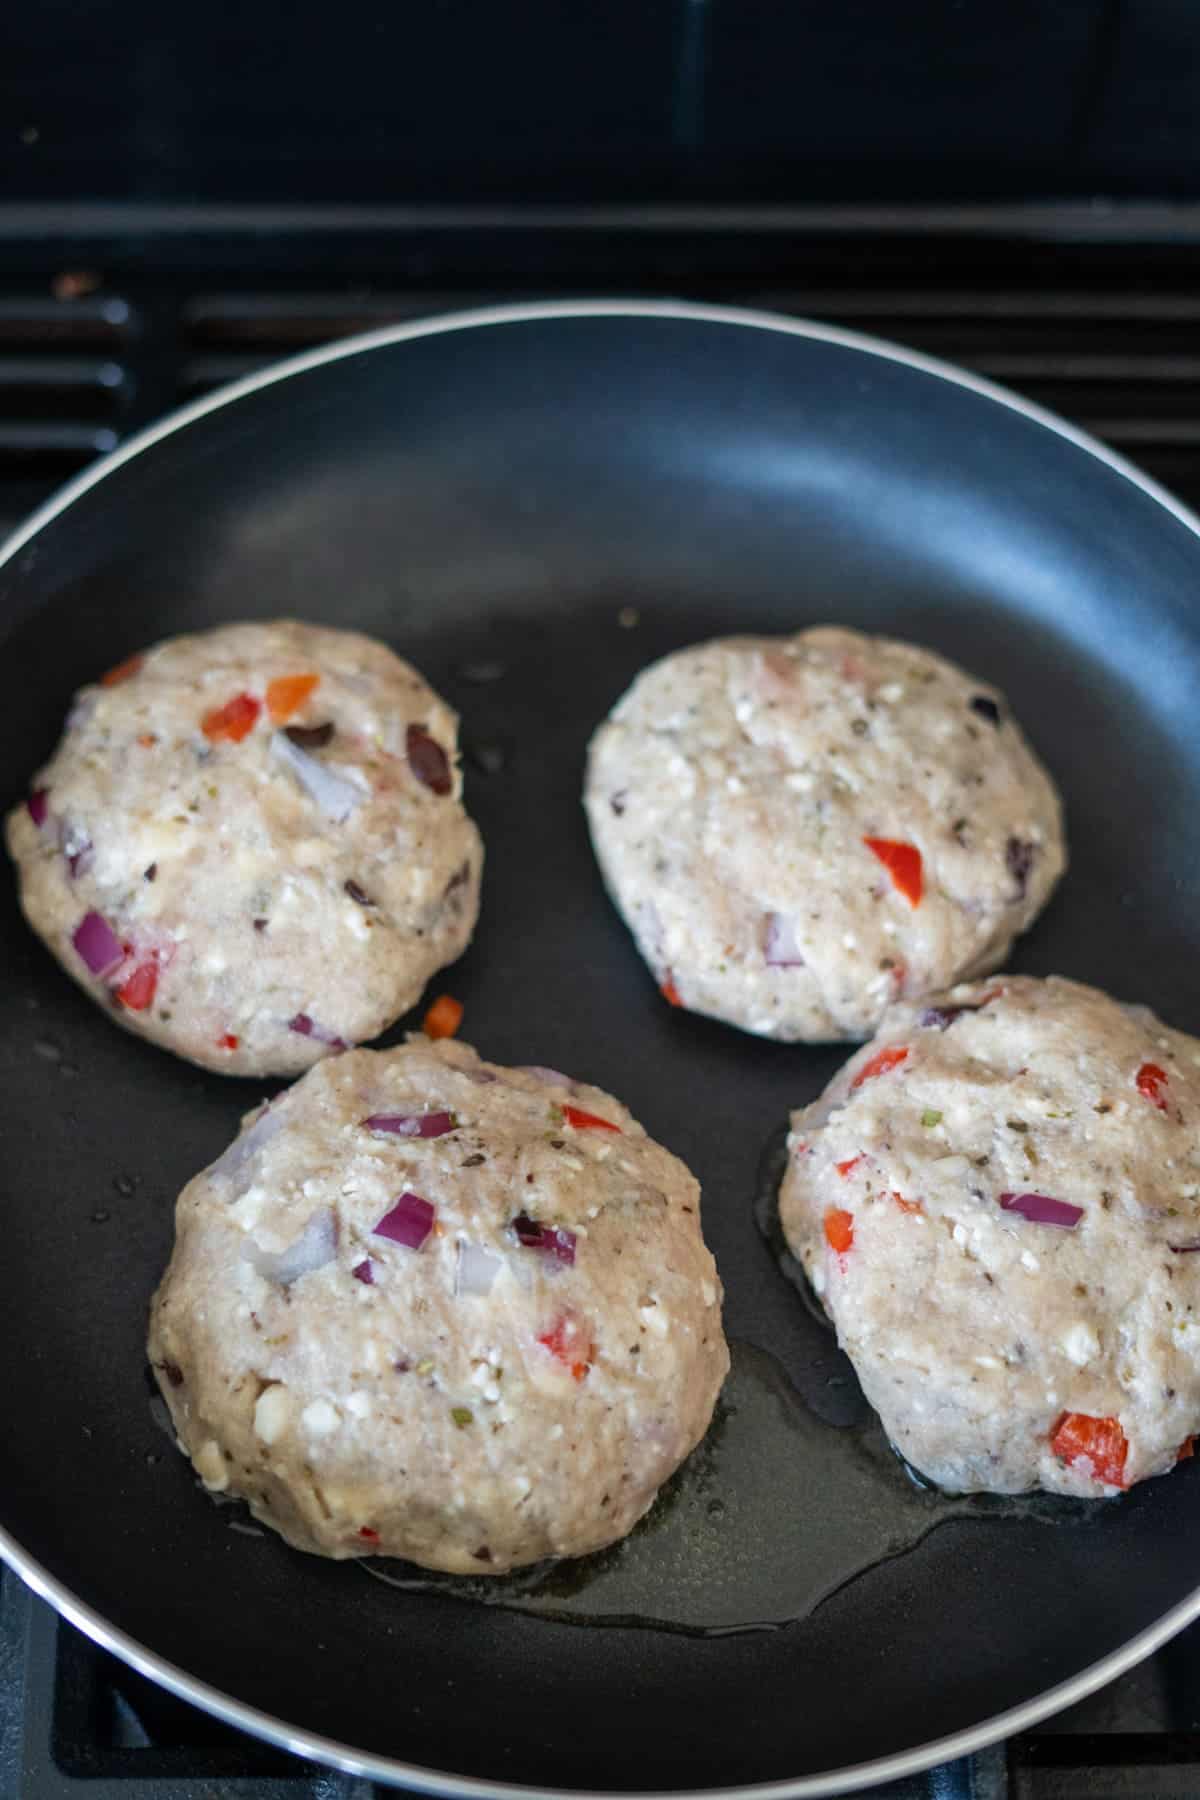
column 559, row 500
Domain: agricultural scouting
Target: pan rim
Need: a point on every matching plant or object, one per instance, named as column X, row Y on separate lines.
column 388, row 1769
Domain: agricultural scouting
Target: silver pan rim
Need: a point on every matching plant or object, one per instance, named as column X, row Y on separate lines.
column 390, row 1770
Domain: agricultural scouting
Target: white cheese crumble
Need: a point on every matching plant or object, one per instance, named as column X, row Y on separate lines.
column 272, row 1413
column 319, row 1418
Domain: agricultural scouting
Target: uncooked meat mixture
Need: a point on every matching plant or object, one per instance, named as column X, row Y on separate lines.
column 431, row 1308
column 998, row 1200
column 800, row 830
column 250, row 844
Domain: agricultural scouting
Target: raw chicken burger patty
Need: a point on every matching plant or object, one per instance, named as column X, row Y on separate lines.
column 996, row 1199
column 431, row 1308
column 799, row 830
column 250, row 844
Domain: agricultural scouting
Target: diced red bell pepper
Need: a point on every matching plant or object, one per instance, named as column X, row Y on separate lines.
column 443, row 1018
column 368, row 1535
column 890, row 1057
column 122, row 671
column 903, row 864
column 235, row 720
column 845, row 1168
column 1150, row 1082
column 138, row 991
column 1079, row 1438
column 670, row 992
column 1186, row 1449
column 567, row 1341
column 229, row 1041
column 908, row 1206
column 839, row 1229
column 586, row 1121
column 287, row 694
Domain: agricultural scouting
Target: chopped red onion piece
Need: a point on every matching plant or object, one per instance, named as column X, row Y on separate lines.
column 250, row 1140
column 98, row 944
column 413, row 1125
column 409, row 1222
column 364, row 1272
column 552, row 1077
column 1041, row 1209
column 1184, row 1249
column 552, row 1240
column 476, row 1269
column 76, row 846
column 427, row 760
column 304, row 1026
column 780, row 949
column 333, row 793
column 313, row 1249
column 37, row 806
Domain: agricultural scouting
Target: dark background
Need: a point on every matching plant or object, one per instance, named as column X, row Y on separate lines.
column 599, row 100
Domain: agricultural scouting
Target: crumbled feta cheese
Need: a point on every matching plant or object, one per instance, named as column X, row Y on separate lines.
column 319, row 1418
column 272, row 1412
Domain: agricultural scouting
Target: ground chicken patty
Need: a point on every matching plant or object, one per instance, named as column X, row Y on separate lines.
column 250, row 844
column 800, row 830
column 431, row 1308
column 996, row 1199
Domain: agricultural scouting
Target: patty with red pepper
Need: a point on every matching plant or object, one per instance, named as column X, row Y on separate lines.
column 250, row 844
column 431, row 1308
column 998, row 1202
column 800, row 830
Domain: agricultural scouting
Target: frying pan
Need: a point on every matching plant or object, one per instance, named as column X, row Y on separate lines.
column 550, row 497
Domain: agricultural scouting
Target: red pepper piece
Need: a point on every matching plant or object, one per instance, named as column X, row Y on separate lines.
column 368, row 1535
column 1078, row 1437
column 839, row 1229
column 890, row 1057
column 287, row 694
column 235, row 720
column 844, row 1168
column 1186, row 1449
column 230, row 1041
column 908, row 1206
column 1150, row 1081
column 670, row 992
column 903, row 864
column 122, row 672
column 569, row 1343
column 137, row 993
column 586, row 1121
column 443, row 1018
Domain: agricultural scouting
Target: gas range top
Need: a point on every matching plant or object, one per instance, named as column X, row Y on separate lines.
column 124, row 325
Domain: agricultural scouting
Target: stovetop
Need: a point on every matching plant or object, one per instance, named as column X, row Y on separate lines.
column 124, row 324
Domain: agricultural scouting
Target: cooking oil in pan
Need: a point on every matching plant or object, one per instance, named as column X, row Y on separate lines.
column 775, row 1511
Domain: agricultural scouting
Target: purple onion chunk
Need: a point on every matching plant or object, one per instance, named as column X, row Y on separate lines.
column 312, row 1250
column 780, row 949
column 98, row 945
column 1042, row 1209
column 37, row 806
column 1019, row 857
column 554, row 1241
column 1184, row 1249
column 304, row 1026
column 411, row 1125
column 427, row 760
column 409, row 1222
column 364, row 1272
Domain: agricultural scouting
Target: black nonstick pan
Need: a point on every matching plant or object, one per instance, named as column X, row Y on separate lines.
column 531, row 504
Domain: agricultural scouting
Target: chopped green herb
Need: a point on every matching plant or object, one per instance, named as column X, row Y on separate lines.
column 426, row 1367
column 462, row 1416
column 930, row 1118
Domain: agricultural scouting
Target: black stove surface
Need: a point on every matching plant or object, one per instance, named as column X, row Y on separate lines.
column 123, row 324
